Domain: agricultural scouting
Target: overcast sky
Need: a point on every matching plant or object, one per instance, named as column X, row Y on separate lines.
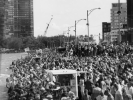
column 65, row 12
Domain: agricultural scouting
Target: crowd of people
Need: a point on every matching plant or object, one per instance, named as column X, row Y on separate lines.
column 109, row 74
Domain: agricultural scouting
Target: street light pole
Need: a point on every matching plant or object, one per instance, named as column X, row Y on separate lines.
column 88, row 20
column 68, row 34
column 119, row 12
column 75, row 34
column 88, row 26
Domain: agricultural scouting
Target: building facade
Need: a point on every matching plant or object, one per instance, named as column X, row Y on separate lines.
column 118, row 21
column 130, row 19
column 130, row 13
column 114, row 16
column 9, row 22
column 114, row 35
column 107, row 37
column 19, row 18
column 23, row 18
column 106, row 27
column 2, row 16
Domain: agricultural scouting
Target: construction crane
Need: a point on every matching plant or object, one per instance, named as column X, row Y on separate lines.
column 48, row 26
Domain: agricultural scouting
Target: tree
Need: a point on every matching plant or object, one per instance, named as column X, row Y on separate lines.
column 14, row 43
column 1, row 41
column 30, row 42
column 42, row 43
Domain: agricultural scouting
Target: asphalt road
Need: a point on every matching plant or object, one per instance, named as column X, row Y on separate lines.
column 5, row 61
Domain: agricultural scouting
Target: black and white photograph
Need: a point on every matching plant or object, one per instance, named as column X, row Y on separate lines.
column 66, row 49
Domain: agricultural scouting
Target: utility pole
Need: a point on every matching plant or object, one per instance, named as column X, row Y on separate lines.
column 99, row 37
column 60, row 39
column 75, row 34
column 68, row 35
column 90, row 11
column 88, row 26
column 119, row 12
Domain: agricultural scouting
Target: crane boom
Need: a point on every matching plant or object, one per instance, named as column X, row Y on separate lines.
column 47, row 27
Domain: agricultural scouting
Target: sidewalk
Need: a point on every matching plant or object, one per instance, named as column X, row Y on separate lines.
column 3, row 89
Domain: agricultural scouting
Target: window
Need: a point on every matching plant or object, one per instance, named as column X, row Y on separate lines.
column 115, row 5
column 115, row 20
column 104, row 26
column 116, row 17
column 116, row 14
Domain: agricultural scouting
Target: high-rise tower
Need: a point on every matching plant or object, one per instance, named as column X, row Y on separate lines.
column 19, row 18
column 130, row 13
column 23, row 17
column 2, row 17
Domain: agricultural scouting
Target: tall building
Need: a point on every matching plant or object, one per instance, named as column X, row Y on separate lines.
column 130, row 19
column 114, row 15
column 23, row 17
column 130, row 13
column 118, row 19
column 9, row 22
column 19, row 18
column 2, row 17
column 106, row 27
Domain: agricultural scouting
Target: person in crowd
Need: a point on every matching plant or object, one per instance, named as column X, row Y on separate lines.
column 129, row 89
column 96, row 91
column 86, row 96
column 102, row 96
column 108, row 94
column 125, row 95
column 82, row 87
column 89, row 85
column 118, row 93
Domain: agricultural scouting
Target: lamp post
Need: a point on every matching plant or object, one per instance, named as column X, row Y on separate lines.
column 119, row 12
column 76, row 22
column 88, row 20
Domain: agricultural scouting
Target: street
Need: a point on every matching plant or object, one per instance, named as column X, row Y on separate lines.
column 6, row 60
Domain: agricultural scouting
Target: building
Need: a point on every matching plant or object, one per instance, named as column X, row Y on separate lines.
column 114, row 15
column 2, row 17
column 106, row 27
column 19, row 18
column 9, row 22
column 118, row 21
column 107, row 37
column 23, row 17
column 130, row 19
column 130, row 13
column 114, row 35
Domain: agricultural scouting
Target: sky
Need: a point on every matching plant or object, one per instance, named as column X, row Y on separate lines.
column 65, row 12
